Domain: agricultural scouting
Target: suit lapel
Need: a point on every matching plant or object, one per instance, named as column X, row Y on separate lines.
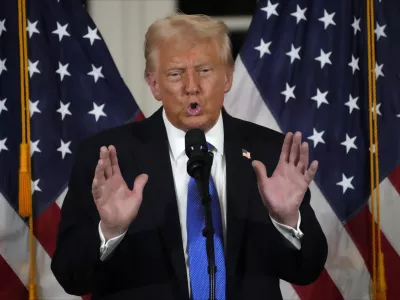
column 153, row 159
column 237, row 183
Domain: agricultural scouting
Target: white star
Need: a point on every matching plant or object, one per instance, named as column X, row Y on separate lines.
column 3, row 145
column 3, row 105
column 2, row 26
column 289, row 92
column 293, row 53
column 263, row 48
column 3, row 65
column 63, row 110
column 378, row 110
column 96, row 73
column 352, row 104
column 270, row 9
column 32, row 28
column 324, row 58
column 320, row 98
column 380, row 31
column 354, row 63
column 356, row 25
column 299, row 14
column 61, row 31
column 346, row 183
column 64, row 148
column 398, row 115
column 32, row 68
column 97, row 111
column 317, row 137
column 349, row 143
column 92, row 35
column 35, row 186
column 62, row 70
column 33, row 107
column 34, row 147
column 327, row 19
column 378, row 70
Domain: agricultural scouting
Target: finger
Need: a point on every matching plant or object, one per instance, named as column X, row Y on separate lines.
column 105, row 155
column 286, row 147
column 260, row 169
column 295, row 149
column 97, row 191
column 310, row 173
column 140, row 183
column 114, row 160
column 99, row 172
column 303, row 161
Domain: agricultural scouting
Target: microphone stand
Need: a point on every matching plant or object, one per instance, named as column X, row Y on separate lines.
column 208, row 231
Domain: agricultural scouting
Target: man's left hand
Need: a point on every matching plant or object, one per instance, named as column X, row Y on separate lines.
column 283, row 192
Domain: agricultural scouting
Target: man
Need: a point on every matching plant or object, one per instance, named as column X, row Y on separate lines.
column 126, row 230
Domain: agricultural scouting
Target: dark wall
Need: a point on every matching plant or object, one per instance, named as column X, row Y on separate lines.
column 221, row 8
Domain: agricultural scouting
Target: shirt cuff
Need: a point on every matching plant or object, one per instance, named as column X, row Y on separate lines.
column 107, row 247
column 294, row 235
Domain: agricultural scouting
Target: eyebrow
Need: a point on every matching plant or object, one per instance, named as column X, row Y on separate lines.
column 181, row 66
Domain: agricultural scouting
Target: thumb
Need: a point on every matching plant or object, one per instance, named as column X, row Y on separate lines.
column 260, row 170
column 140, row 183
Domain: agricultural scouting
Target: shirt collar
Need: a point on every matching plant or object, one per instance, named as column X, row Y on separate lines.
column 176, row 137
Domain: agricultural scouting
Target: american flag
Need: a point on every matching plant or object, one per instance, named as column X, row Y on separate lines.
column 75, row 91
column 303, row 67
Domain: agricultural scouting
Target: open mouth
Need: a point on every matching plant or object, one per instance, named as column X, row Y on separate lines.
column 194, row 109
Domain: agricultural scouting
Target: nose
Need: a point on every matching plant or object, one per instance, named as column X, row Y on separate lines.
column 192, row 86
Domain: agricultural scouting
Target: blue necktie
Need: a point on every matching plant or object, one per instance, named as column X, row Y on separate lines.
column 198, row 262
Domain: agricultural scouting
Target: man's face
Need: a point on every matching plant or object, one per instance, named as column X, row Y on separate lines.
column 191, row 82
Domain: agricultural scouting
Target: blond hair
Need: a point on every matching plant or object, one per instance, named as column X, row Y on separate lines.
column 197, row 27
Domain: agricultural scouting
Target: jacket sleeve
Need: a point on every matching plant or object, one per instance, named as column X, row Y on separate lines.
column 77, row 253
column 302, row 266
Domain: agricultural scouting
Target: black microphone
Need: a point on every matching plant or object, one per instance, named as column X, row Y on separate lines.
column 199, row 167
column 196, row 150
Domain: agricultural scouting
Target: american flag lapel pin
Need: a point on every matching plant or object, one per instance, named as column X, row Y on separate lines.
column 246, row 153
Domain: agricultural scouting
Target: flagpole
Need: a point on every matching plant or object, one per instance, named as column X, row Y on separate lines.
column 379, row 282
column 25, row 189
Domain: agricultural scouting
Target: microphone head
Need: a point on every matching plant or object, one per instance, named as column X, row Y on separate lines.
column 195, row 142
column 196, row 150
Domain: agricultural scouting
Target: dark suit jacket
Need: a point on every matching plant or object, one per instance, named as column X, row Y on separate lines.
column 149, row 262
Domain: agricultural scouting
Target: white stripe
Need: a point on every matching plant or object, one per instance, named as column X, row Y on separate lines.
column 344, row 264
column 14, row 247
column 60, row 199
column 288, row 292
column 390, row 212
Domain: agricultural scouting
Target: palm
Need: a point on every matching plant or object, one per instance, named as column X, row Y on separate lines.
column 283, row 192
column 116, row 203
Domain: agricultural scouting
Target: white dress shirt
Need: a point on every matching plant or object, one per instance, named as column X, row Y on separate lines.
column 215, row 136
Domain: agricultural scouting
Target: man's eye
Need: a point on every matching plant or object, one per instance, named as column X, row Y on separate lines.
column 204, row 70
column 173, row 74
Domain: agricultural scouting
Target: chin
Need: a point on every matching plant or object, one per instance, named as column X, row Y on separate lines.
column 201, row 122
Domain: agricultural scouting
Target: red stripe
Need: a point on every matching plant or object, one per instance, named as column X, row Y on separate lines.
column 10, row 286
column 322, row 288
column 45, row 228
column 140, row 117
column 359, row 229
column 394, row 178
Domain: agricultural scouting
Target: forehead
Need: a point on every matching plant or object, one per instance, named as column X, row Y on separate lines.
column 184, row 51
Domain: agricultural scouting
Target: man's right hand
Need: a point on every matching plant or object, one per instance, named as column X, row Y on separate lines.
column 117, row 204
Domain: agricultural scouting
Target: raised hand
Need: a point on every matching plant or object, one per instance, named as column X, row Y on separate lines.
column 116, row 203
column 283, row 192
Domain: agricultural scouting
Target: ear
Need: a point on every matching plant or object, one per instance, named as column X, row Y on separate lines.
column 152, row 82
column 228, row 78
